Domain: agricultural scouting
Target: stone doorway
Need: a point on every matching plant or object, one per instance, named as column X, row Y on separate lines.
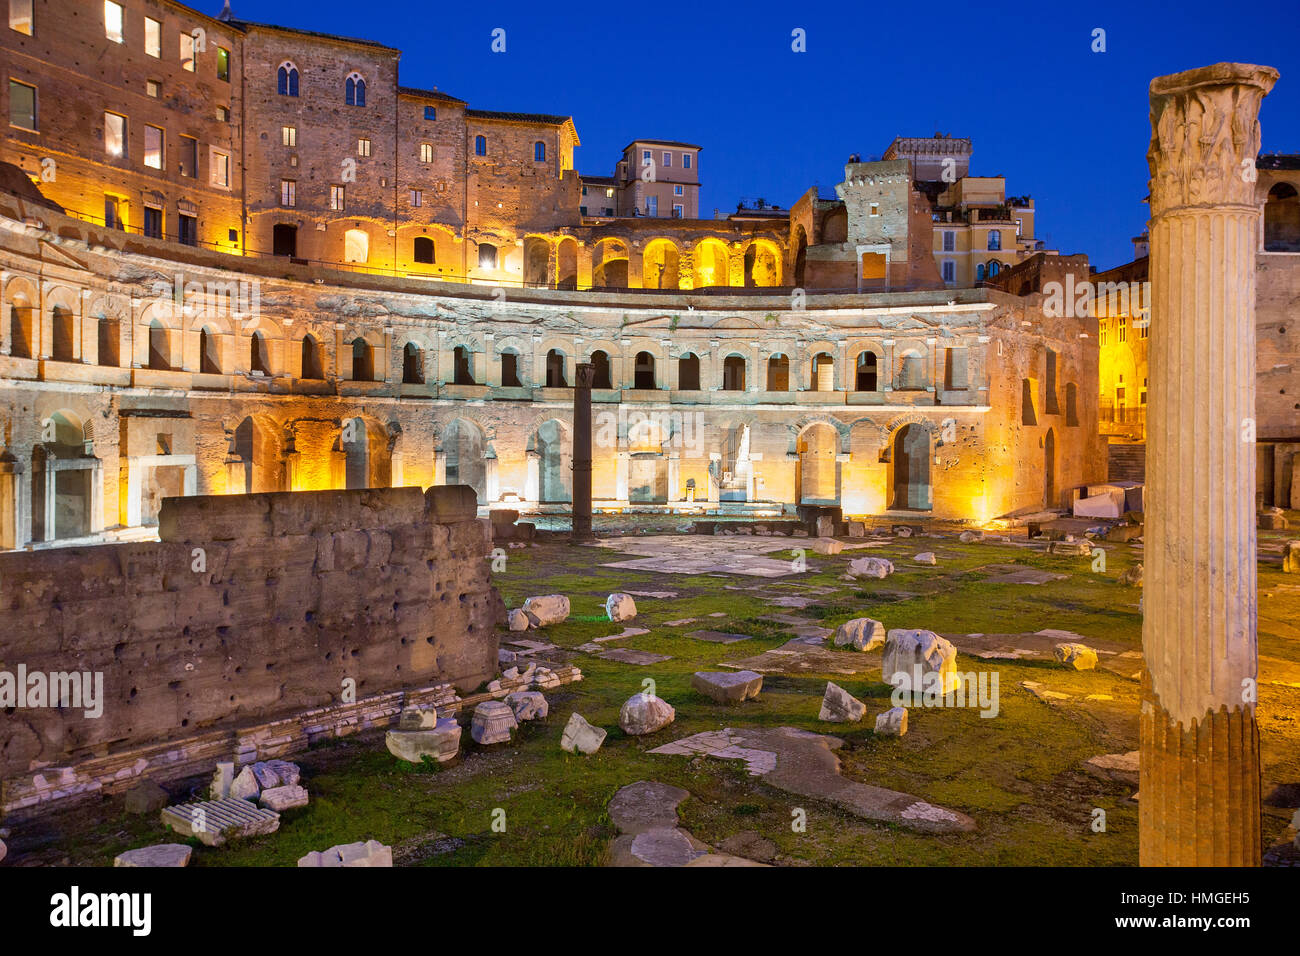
column 911, row 469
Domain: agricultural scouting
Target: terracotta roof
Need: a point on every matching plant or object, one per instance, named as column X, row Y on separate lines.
column 548, row 118
column 428, row 94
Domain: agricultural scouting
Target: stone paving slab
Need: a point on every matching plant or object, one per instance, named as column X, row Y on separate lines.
column 625, row 655
column 1015, row 574
column 796, row 657
column 805, row 763
column 719, row 637
column 1038, row 646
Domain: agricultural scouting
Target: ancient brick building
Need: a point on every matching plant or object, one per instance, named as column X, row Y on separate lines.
column 376, row 285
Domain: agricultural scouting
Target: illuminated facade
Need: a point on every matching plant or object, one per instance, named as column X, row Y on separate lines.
column 246, row 259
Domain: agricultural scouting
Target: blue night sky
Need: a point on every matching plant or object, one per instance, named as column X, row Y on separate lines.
column 1063, row 124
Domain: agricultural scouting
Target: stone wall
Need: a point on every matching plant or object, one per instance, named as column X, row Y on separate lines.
column 251, row 608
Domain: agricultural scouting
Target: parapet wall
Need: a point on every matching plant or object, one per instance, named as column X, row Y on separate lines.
column 250, row 608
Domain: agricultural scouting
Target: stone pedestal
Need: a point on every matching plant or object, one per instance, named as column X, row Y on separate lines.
column 1200, row 744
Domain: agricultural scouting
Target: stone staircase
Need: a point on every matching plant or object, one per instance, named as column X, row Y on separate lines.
column 1126, row 462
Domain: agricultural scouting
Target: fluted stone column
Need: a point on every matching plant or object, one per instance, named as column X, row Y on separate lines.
column 1199, row 803
column 585, row 375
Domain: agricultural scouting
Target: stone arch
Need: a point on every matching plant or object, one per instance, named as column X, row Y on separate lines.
column 778, row 372
column 909, row 467
column 660, row 265
column 64, row 471
column 367, row 449
column 210, row 357
column 609, row 264
column 556, row 369
column 762, row 264
column 313, row 357
column 602, row 376
column 818, row 447
column 550, row 451
column 257, row 456
column 799, row 259
column 733, row 372
column 1049, row 469
column 821, row 372
column 712, row 264
column 537, row 262
column 566, row 263
column 911, row 374
column 866, row 371
column 736, row 480
column 462, row 451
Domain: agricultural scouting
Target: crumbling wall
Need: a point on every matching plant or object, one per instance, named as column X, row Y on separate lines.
column 251, row 607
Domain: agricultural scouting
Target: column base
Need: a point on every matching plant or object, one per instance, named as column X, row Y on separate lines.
column 1199, row 796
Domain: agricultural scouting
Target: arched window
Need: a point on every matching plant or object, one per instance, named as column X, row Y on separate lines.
column 600, row 363
column 979, row 272
column 778, row 373
column 412, row 365
column 480, row 145
column 209, row 353
column 423, row 251
column 994, row 268
column 487, row 256
column 688, row 373
column 866, row 372
column 644, row 371
column 555, row 369
column 110, row 333
column 363, row 361
column 354, row 90
column 286, row 81
column 995, row 240
column 259, row 358
column 462, row 367
column 159, row 346
column 733, row 374
column 312, row 365
column 823, row 373
column 539, row 152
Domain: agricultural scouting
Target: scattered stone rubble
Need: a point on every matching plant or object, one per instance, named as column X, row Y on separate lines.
column 581, row 736
column 892, row 723
column 528, row 705
column 871, row 568
column 728, row 687
column 1080, row 657
column 369, row 853
column 644, row 714
column 423, row 734
column 861, row 633
column 216, row 822
column 620, row 607
column 839, row 706
column 546, row 610
column 917, row 653
column 160, row 855
column 926, row 557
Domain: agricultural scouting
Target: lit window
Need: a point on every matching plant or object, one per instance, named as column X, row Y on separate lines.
column 356, row 245
column 153, row 147
column 152, row 37
column 875, row 209
column 431, row 112
column 153, row 88
column 288, row 193
column 417, row 198
column 1019, row 226
column 189, row 156
column 223, row 114
column 20, row 16
column 289, row 135
column 187, row 52
column 337, row 199
column 426, row 152
column 223, row 64
column 114, row 134
column 609, row 193
column 363, row 147
column 113, row 21
column 219, row 168
column 1122, row 334
column 686, row 160
column 22, row 105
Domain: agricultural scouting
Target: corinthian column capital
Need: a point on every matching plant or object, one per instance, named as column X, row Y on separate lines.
column 1205, row 135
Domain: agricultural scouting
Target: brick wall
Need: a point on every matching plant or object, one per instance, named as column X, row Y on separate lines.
column 250, row 608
